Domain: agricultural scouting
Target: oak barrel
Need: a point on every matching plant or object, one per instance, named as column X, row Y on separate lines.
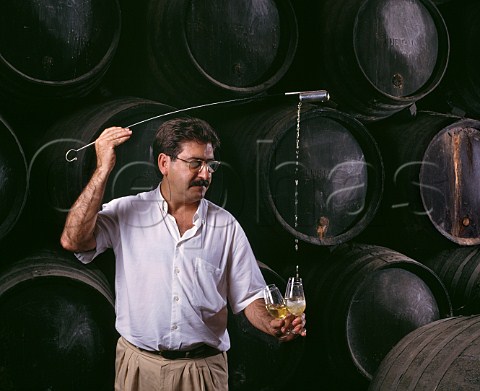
column 56, row 325
column 337, row 177
column 362, row 300
column 190, row 52
column 459, row 270
column 460, row 88
column 377, row 56
column 443, row 355
column 56, row 49
column 432, row 165
column 13, row 178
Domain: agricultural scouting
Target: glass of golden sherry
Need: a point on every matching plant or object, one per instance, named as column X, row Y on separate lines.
column 274, row 302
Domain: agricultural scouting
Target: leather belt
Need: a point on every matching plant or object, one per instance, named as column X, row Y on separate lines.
column 201, row 351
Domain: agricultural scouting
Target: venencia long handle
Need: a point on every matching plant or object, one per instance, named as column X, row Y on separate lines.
column 303, row 96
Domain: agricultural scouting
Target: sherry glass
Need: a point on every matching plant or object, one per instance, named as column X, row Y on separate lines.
column 295, row 296
column 274, row 302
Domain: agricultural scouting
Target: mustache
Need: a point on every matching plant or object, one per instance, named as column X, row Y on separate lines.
column 200, row 182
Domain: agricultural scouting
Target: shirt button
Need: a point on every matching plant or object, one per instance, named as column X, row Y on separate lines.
column 177, row 270
column 176, row 298
column 174, row 327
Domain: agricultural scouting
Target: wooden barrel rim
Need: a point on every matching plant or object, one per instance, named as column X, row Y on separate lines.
column 40, row 266
column 440, row 67
column 277, row 74
column 465, row 124
column 351, row 271
column 439, row 293
column 19, row 202
column 101, row 65
column 178, row 11
column 374, row 193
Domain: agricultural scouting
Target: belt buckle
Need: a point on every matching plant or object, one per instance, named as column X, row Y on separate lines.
column 195, row 352
column 199, row 351
column 172, row 354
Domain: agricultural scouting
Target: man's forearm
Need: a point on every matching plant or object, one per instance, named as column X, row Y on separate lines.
column 80, row 223
column 259, row 317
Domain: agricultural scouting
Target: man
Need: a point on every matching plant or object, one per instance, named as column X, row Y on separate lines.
column 179, row 258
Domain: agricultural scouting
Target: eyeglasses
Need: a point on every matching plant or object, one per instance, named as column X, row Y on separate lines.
column 197, row 164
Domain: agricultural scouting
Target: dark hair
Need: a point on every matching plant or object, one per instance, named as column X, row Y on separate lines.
column 173, row 133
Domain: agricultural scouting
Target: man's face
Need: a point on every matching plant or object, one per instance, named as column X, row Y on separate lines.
column 186, row 185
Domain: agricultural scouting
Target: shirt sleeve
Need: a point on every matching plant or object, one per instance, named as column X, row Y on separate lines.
column 246, row 279
column 106, row 230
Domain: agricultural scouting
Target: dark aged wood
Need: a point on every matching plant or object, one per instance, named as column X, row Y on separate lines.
column 365, row 52
column 340, row 174
column 459, row 270
column 56, row 325
column 362, row 300
column 190, row 52
column 461, row 85
column 378, row 56
column 13, row 178
column 432, row 173
column 450, row 178
column 442, row 355
column 56, row 49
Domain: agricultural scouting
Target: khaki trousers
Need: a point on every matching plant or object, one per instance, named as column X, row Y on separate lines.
column 138, row 370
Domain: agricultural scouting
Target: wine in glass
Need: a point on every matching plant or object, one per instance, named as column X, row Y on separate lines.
column 295, row 296
column 274, row 302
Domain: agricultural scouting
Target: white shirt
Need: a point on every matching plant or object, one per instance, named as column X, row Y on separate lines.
column 172, row 291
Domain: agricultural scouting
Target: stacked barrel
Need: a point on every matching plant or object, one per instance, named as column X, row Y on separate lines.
column 373, row 193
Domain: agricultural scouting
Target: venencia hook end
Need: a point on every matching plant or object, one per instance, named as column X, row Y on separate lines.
column 76, row 151
column 70, row 159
